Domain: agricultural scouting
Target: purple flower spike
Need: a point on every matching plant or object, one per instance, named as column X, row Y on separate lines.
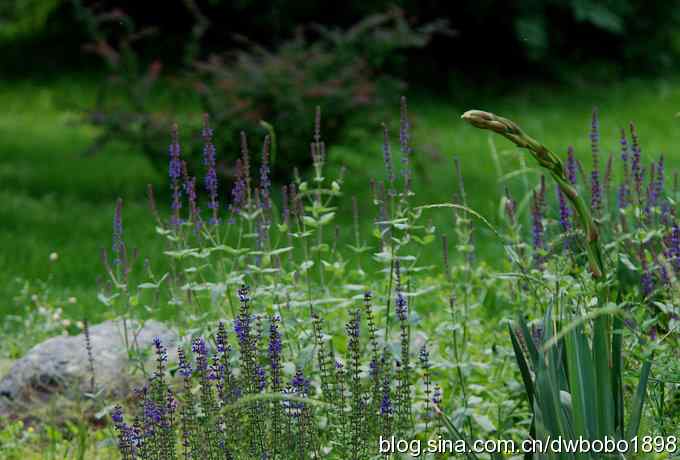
column 238, row 191
column 571, row 166
column 647, row 282
column 265, row 181
column 387, row 156
column 595, row 136
column 565, row 214
column 595, row 192
column 175, row 173
column 209, row 161
column 595, row 186
column 401, row 307
column 437, row 395
column 674, row 248
column 636, row 168
column 184, row 365
column 386, row 403
column 118, row 245
column 660, row 178
column 404, row 142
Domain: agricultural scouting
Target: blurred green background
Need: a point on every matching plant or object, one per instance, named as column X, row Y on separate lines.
column 88, row 91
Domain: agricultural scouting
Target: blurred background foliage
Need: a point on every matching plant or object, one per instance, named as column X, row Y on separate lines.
column 546, row 37
column 244, row 61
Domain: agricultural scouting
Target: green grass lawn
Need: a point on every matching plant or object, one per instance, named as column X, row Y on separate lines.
column 56, row 200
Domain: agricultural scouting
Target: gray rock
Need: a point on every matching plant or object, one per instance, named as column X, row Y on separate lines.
column 60, row 365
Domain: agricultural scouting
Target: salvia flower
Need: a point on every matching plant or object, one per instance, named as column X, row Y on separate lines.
column 595, row 185
column 238, row 191
column 401, row 307
column 386, row 403
column 274, row 351
column 674, row 247
column 571, row 165
column 245, row 159
column 595, row 192
column 185, row 369
column 161, row 356
column 565, row 211
column 175, row 173
column 209, row 161
column 387, row 157
column 636, row 167
column 537, row 223
column 118, row 245
column 437, row 395
column 198, row 347
column 646, row 280
column 265, row 181
column 221, row 338
column 404, row 143
column 660, row 178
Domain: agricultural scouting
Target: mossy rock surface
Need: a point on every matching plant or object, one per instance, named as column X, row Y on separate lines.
column 60, row 365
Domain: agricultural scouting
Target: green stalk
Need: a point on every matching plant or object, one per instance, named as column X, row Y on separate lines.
column 554, row 166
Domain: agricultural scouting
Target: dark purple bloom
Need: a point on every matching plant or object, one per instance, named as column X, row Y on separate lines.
column 299, row 384
column 636, row 167
column 424, row 355
column 660, row 178
column 401, row 306
column 352, row 328
column 404, row 143
column 646, row 280
column 118, row 245
column 221, row 338
column 595, row 137
column 190, row 190
column 161, row 357
column 595, row 192
column 386, row 403
column 261, row 377
column 537, row 222
column 151, row 412
column 175, row 173
column 199, row 348
column 565, row 211
column 245, row 159
column 174, row 151
column 274, row 339
column 238, row 191
column 387, row 156
column 184, row 365
column 437, row 395
column 652, row 333
column 117, row 415
column 624, row 155
column 674, row 247
column 209, row 161
column 265, row 181
column 571, row 166
column 595, row 186
column 285, row 209
column 242, row 328
column 275, row 351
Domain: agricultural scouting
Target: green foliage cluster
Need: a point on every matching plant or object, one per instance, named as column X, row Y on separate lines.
column 249, row 88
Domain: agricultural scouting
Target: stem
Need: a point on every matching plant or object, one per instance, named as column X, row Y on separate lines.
column 554, row 166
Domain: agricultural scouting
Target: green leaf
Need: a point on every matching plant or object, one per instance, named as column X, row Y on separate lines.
column 638, row 401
